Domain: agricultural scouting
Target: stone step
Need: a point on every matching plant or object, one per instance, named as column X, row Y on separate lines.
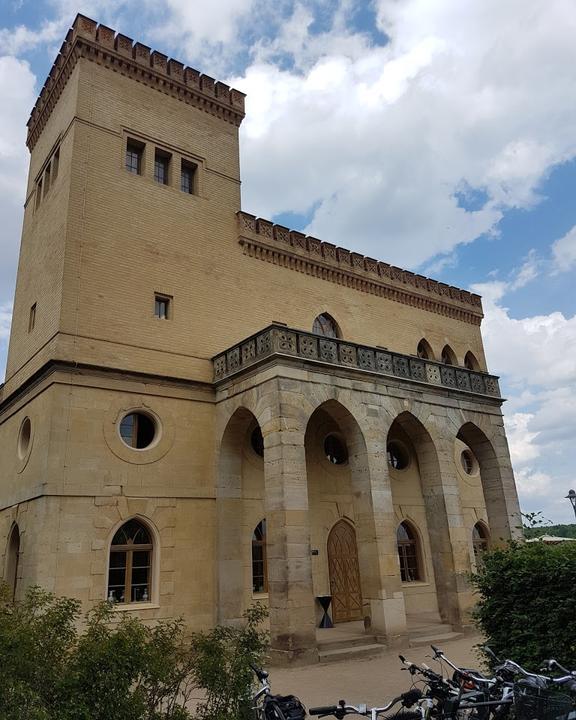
column 437, row 639
column 350, row 653
column 416, row 631
column 338, row 643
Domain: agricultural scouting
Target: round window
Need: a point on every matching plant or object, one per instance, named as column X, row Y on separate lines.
column 24, row 437
column 468, row 462
column 138, row 430
column 335, row 450
column 398, row 457
column 257, row 441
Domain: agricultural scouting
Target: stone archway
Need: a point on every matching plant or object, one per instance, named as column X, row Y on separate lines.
column 441, row 509
column 234, row 528
column 497, row 480
column 344, row 572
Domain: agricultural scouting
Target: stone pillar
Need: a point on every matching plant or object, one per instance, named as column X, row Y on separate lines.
column 376, row 530
column 448, row 534
column 230, row 519
column 290, row 589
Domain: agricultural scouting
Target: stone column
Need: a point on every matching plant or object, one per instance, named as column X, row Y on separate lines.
column 448, row 535
column 290, row 589
column 376, row 529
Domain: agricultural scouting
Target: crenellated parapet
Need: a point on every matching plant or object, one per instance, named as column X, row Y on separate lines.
column 101, row 44
column 276, row 244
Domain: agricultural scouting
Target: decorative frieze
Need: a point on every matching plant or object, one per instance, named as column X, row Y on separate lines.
column 280, row 341
column 276, row 244
column 101, row 44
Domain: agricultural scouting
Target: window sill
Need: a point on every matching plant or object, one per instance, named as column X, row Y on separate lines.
column 416, row 583
column 260, row 595
column 124, row 607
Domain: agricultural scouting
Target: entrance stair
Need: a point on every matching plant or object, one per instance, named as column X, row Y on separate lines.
column 346, row 641
column 428, row 629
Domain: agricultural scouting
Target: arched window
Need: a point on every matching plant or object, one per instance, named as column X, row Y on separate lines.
column 480, row 540
column 424, row 351
column 259, row 560
column 130, row 572
column 326, row 325
column 448, row 356
column 470, row 361
column 12, row 557
column 408, row 553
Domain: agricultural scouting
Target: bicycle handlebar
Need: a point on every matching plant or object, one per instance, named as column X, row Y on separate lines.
column 409, row 698
column 324, row 710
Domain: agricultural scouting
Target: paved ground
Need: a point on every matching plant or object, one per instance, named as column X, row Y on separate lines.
column 370, row 680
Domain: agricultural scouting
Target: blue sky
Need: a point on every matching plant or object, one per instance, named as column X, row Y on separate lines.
column 432, row 134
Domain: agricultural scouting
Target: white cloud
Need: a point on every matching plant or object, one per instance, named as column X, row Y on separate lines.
column 18, row 96
column 376, row 140
column 21, row 39
column 536, row 358
column 564, row 251
column 5, row 320
column 533, row 484
column 520, row 439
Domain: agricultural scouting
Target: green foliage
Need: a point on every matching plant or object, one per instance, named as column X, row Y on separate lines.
column 527, row 602
column 222, row 659
column 568, row 531
column 116, row 667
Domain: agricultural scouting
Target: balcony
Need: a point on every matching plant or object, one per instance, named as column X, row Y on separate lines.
column 279, row 341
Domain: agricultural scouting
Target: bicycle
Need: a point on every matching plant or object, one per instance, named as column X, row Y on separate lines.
column 268, row 706
column 407, row 699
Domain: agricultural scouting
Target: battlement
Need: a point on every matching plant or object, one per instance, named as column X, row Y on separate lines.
column 88, row 39
column 279, row 245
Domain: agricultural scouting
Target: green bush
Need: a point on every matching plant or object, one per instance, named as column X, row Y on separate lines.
column 116, row 667
column 527, row 602
column 222, row 659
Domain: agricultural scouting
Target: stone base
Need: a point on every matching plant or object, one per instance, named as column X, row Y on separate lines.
column 292, row 658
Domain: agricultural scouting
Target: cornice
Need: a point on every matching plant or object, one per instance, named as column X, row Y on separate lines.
column 101, row 44
column 276, row 244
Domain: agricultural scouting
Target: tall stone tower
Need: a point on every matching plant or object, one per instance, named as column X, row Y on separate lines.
column 202, row 408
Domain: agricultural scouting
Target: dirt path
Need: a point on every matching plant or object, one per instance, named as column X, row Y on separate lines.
column 370, row 680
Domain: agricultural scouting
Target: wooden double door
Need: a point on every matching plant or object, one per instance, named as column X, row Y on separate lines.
column 344, row 573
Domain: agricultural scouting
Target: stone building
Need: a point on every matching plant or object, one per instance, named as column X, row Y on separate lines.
column 202, row 408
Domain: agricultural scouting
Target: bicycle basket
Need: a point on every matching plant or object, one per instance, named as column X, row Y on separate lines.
column 537, row 704
column 284, row 707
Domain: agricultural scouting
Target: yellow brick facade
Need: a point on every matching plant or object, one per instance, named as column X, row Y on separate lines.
column 96, row 248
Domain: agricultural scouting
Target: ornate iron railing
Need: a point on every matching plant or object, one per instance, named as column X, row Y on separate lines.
column 278, row 340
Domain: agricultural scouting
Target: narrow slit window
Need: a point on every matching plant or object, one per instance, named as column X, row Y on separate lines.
column 38, row 194
column 47, row 180
column 32, row 318
column 162, row 307
column 259, row 560
column 188, row 177
column 134, row 155
column 55, row 165
column 161, row 167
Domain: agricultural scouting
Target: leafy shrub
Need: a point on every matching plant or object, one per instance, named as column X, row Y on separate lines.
column 528, row 602
column 222, row 659
column 116, row 667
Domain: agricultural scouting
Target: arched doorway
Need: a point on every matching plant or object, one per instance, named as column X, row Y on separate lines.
column 344, row 573
column 12, row 557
